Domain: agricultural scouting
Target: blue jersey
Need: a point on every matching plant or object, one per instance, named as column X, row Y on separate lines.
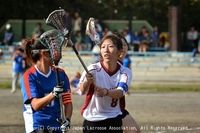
column 18, row 64
column 35, row 84
column 126, row 61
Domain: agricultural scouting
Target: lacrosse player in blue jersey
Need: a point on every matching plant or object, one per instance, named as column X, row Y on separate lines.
column 40, row 90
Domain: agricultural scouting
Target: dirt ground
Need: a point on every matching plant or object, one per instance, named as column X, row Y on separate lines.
column 177, row 112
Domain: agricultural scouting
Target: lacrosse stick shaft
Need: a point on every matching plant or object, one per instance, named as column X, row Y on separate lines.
column 60, row 97
column 79, row 57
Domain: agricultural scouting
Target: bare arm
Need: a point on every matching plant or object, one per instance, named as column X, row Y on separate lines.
column 115, row 93
column 68, row 110
column 39, row 103
column 84, row 86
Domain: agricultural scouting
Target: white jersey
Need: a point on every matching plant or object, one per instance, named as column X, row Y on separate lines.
column 100, row 108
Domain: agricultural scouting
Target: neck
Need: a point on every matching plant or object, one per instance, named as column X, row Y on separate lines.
column 110, row 66
column 42, row 67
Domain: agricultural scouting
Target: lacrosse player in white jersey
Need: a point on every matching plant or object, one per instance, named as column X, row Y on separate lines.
column 129, row 125
column 106, row 82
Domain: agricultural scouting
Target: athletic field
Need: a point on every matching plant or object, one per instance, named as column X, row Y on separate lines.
column 155, row 112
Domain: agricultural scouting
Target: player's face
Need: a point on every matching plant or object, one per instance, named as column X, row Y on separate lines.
column 46, row 56
column 125, row 49
column 109, row 51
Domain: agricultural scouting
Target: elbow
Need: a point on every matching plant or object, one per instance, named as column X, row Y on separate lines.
column 35, row 105
column 36, row 108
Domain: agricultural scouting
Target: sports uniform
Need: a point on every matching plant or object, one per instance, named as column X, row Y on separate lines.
column 104, row 112
column 35, row 84
column 122, row 100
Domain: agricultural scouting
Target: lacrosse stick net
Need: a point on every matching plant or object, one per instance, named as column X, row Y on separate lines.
column 57, row 19
column 91, row 31
column 53, row 40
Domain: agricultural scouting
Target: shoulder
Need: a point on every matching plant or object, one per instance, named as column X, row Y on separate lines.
column 125, row 70
column 94, row 66
column 59, row 69
column 30, row 72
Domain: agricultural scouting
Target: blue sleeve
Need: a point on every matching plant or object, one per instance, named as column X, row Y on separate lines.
column 28, row 88
column 66, row 86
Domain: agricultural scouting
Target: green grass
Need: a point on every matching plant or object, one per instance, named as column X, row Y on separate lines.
column 5, row 85
column 152, row 88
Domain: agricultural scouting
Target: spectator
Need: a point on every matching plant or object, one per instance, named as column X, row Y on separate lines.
column 146, row 42
column 18, row 68
column 99, row 27
column 127, row 36
column 195, row 51
column 1, row 53
column 74, row 82
column 192, row 38
column 107, row 31
column 22, row 45
column 115, row 31
column 9, row 35
column 129, row 31
column 77, row 23
column 39, row 30
column 143, row 31
column 164, row 40
column 163, row 43
column 136, row 41
column 79, row 41
column 68, row 21
column 155, row 35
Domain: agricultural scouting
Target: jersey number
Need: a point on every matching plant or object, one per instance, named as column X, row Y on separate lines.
column 51, row 103
column 114, row 102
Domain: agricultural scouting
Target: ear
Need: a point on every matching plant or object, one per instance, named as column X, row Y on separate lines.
column 42, row 52
column 120, row 52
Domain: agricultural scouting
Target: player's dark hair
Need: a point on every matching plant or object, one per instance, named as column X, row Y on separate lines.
column 116, row 41
column 32, row 44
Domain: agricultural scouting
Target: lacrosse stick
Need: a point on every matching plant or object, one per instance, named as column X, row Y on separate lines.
column 57, row 19
column 53, row 40
column 91, row 31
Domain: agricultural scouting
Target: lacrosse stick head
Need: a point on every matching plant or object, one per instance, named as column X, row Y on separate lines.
column 53, row 41
column 91, row 31
column 57, row 19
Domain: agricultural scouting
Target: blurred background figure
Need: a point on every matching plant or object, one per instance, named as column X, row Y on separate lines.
column 18, row 67
column 195, row 51
column 77, row 23
column 192, row 38
column 164, row 41
column 1, row 53
column 155, row 35
column 74, row 82
column 146, row 42
column 143, row 31
column 68, row 20
column 79, row 41
column 136, row 41
column 8, row 36
column 127, row 37
column 39, row 31
column 98, row 25
column 106, row 31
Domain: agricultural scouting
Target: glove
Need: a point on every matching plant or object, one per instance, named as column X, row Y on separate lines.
column 57, row 91
column 65, row 126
